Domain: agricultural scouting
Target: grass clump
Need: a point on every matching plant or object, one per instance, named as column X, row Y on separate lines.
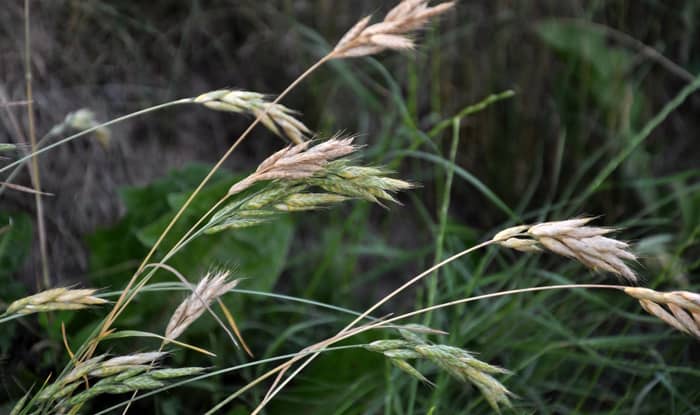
column 318, row 174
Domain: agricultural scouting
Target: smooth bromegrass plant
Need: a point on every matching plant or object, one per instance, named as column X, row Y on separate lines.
column 307, row 176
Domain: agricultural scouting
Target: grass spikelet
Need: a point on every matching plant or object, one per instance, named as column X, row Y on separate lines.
column 309, row 201
column 55, row 299
column 117, row 375
column 208, row 289
column 684, row 307
column 294, row 171
column 275, row 117
column 459, row 363
column 82, row 119
column 19, row 406
column 392, row 33
column 573, row 239
column 134, row 359
column 176, row 372
column 297, row 162
column 410, row 370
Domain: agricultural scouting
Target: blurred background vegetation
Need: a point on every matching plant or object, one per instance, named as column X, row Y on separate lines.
column 587, row 76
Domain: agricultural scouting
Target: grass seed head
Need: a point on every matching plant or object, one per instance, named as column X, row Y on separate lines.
column 459, row 363
column 296, row 162
column 574, row 239
column 208, row 289
column 684, row 307
column 275, row 117
column 393, row 33
column 55, row 299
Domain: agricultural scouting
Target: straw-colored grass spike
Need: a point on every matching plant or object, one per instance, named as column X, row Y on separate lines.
column 207, row 291
column 297, row 162
column 55, row 299
column 684, row 307
column 573, row 238
column 275, row 117
column 294, row 172
column 392, row 33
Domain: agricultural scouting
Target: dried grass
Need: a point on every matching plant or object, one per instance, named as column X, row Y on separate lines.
column 573, row 239
column 207, row 291
column 684, row 307
column 296, row 162
column 294, row 172
column 391, row 33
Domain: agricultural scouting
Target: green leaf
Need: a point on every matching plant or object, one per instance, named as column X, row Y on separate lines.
column 257, row 253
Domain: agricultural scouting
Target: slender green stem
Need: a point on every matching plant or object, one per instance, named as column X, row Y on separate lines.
column 444, row 210
column 639, row 138
column 4, row 319
column 440, row 240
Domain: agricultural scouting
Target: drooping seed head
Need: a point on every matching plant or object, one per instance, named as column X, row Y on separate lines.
column 393, row 33
column 684, row 307
column 459, row 363
column 573, row 239
column 275, row 117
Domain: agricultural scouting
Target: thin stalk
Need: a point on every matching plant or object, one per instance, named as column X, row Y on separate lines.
column 444, row 208
column 221, row 372
column 315, row 349
column 440, row 240
column 35, row 173
column 502, row 294
column 275, row 389
column 343, row 336
column 184, row 240
column 62, row 141
column 110, row 318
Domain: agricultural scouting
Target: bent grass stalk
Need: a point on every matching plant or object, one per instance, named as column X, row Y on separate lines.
column 404, row 18
column 274, row 389
column 121, row 303
column 587, row 245
column 319, row 346
column 22, row 160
